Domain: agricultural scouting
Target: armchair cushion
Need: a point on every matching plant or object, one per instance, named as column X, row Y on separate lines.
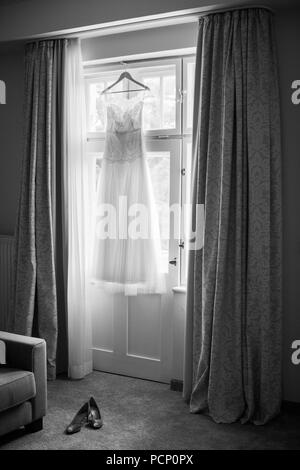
column 16, row 387
column 29, row 354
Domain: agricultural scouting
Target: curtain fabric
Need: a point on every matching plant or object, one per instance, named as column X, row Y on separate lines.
column 50, row 298
column 35, row 277
column 76, row 207
column 233, row 326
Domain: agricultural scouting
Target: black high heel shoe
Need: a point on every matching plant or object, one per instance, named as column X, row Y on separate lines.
column 94, row 416
column 79, row 419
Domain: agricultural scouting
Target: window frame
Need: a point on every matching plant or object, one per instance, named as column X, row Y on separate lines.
column 92, row 72
column 173, row 140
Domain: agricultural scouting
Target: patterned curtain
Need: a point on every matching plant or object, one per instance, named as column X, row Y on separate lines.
column 233, row 329
column 36, row 296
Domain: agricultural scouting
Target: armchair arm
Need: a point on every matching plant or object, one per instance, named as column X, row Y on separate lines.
column 26, row 353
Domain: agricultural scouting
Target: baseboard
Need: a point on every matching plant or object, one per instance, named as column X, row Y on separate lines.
column 176, row 385
column 291, row 407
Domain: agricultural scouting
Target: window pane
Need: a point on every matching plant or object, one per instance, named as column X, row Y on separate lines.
column 160, row 102
column 152, row 105
column 95, row 114
column 96, row 119
column 190, row 93
column 169, row 104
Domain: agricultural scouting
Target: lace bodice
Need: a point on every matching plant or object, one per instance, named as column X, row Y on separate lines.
column 123, row 141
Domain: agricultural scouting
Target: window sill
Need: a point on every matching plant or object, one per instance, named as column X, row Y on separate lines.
column 179, row 290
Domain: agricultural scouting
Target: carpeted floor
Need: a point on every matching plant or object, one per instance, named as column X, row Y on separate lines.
column 139, row 414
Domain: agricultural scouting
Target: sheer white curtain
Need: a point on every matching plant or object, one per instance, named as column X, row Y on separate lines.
column 76, row 203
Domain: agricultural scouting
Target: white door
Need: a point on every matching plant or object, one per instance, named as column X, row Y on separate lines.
column 133, row 335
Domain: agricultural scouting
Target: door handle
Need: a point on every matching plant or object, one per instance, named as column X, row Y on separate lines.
column 173, row 261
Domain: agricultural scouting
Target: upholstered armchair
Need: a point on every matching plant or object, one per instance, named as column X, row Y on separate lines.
column 23, row 383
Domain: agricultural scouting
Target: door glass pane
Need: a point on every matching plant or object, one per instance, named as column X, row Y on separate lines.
column 186, row 202
column 188, row 173
column 159, row 166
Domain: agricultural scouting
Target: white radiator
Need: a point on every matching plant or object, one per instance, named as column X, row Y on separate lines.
column 6, row 279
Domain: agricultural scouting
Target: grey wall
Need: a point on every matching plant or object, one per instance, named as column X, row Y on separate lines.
column 288, row 38
column 138, row 42
column 11, row 121
column 20, row 18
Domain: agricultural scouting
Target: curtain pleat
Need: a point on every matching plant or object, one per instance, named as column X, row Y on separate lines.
column 77, row 207
column 51, row 233
column 35, row 298
column 233, row 326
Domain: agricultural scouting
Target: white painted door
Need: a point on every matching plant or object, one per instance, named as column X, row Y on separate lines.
column 133, row 335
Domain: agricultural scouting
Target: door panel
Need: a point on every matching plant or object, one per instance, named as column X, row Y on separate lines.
column 102, row 309
column 144, row 327
column 133, row 335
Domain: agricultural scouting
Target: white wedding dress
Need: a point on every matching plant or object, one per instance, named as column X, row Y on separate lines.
column 126, row 254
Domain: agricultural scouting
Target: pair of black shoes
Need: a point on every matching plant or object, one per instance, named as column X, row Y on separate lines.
column 89, row 414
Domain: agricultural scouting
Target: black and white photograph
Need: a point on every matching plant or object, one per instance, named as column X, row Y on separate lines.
column 149, row 228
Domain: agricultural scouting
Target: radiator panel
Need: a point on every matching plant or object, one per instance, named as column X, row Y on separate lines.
column 6, row 279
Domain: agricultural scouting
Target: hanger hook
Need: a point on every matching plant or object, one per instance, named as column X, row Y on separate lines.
column 124, row 64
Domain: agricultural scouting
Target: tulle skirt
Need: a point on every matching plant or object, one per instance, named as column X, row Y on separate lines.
column 126, row 255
